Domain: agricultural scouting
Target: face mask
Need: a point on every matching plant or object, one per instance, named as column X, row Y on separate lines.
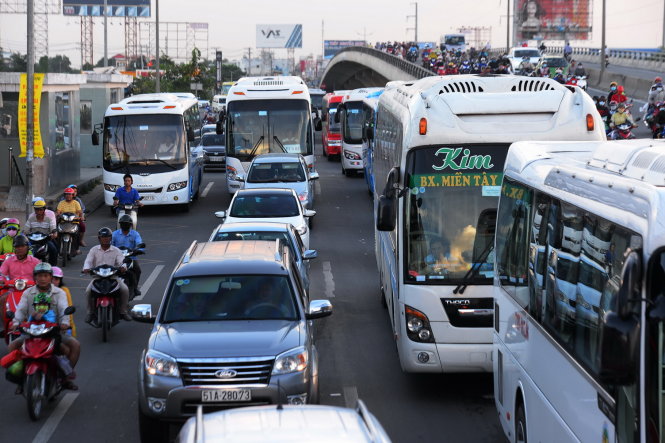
column 601, row 103
column 613, row 88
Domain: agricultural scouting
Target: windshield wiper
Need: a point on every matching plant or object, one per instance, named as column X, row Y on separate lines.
column 252, row 153
column 274, row 137
column 475, row 267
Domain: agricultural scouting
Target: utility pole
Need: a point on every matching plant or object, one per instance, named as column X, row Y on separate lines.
column 602, row 47
column 249, row 62
column 106, row 35
column 157, row 80
column 323, row 42
column 507, row 25
column 30, row 122
column 415, row 27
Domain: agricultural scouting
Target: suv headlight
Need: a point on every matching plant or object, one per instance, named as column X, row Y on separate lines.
column 294, row 360
column 231, row 173
column 157, row 363
column 303, row 197
column 177, row 186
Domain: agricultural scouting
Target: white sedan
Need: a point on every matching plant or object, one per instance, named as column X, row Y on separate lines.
column 269, row 205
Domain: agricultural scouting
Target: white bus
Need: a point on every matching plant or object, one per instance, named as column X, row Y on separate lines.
column 440, row 145
column 351, row 116
column 453, row 42
column 155, row 138
column 594, row 372
column 267, row 114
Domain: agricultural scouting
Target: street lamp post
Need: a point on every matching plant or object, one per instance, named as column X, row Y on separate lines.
column 157, row 83
column 106, row 35
column 30, row 122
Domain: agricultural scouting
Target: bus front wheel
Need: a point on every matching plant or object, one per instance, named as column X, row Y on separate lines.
column 520, row 424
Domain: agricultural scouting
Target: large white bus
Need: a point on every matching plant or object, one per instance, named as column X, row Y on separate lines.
column 155, row 138
column 267, row 114
column 594, row 370
column 351, row 116
column 440, row 145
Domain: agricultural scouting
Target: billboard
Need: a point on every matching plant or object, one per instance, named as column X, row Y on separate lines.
column 552, row 20
column 279, row 36
column 115, row 8
column 332, row 47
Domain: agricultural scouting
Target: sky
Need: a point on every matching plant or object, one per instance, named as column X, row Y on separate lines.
column 232, row 25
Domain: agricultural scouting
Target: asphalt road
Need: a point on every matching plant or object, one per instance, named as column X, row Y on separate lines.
column 358, row 358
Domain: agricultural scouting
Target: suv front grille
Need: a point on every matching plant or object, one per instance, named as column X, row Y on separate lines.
column 220, row 372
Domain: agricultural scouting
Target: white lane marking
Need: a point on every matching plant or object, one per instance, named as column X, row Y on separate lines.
column 145, row 287
column 335, row 394
column 328, row 280
column 350, row 396
column 317, row 188
column 207, row 189
column 47, row 430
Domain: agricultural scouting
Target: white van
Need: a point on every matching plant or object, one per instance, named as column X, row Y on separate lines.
column 218, row 102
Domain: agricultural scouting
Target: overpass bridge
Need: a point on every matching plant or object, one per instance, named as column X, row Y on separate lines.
column 358, row 67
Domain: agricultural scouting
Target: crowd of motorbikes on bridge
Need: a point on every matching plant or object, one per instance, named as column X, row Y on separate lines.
column 36, row 305
column 614, row 107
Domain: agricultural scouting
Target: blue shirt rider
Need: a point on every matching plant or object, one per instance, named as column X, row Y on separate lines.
column 126, row 195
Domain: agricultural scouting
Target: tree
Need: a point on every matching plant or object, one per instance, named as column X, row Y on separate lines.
column 100, row 62
column 18, row 62
column 87, row 67
column 59, row 63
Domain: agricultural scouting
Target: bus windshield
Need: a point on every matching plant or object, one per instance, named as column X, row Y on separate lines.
column 353, row 123
column 454, row 40
column 141, row 141
column 317, row 100
column 332, row 126
column 450, row 213
column 225, row 87
column 257, row 127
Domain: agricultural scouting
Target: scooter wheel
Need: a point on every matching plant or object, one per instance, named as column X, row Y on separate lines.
column 35, row 390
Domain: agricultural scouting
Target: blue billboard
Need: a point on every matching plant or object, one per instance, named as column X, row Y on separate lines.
column 114, row 8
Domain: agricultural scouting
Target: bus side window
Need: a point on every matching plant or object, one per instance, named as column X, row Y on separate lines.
column 537, row 257
column 512, row 239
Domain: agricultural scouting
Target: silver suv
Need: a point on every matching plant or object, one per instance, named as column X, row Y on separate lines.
column 232, row 330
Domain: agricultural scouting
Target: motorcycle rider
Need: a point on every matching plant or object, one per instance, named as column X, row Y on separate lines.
column 619, row 96
column 612, row 91
column 12, row 229
column 579, row 70
column 525, row 67
column 656, row 121
column 44, row 291
column 40, row 222
column 19, row 265
column 656, row 94
column 105, row 254
column 129, row 238
column 621, row 116
column 126, row 195
column 71, row 205
column 544, row 70
column 604, row 111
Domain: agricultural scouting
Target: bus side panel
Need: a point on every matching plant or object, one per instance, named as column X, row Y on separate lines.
column 560, row 404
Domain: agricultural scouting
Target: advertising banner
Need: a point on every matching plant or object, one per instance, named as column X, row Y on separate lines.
column 23, row 115
column 332, row 47
column 115, row 8
column 279, row 36
column 552, row 20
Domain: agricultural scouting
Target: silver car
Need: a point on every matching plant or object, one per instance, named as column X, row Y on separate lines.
column 283, row 171
column 233, row 330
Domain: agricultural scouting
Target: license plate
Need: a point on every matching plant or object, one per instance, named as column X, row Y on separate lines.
column 230, row 395
column 148, row 197
column 216, row 159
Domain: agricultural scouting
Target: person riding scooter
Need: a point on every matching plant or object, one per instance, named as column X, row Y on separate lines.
column 127, row 195
column 12, row 229
column 105, row 254
column 40, row 222
column 130, row 239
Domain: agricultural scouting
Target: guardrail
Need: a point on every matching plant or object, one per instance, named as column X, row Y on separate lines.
column 416, row 71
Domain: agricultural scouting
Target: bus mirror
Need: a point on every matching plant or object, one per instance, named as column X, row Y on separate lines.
column 619, row 344
column 385, row 214
column 657, row 311
column 191, row 136
column 369, row 133
column 95, row 138
column 317, row 124
column 337, row 116
column 219, row 127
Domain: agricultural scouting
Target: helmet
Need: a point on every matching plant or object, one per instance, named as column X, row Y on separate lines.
column 41, row 268
column 42, row 302
column 125, row 220
column 12, row 221
column 620, row 89
column 37, row 199
column 658, row 80
column 104, row 232
column 20, row 240
column 621, row 105
column 57, row 272
column 613, row 104
column 72, row 186
column 69, row 191
column 39, row 204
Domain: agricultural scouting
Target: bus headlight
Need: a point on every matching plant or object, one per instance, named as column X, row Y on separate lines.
column 231, row 173
column 417, row 326
column 111, row 188
column 177, row 186
column 351, row 155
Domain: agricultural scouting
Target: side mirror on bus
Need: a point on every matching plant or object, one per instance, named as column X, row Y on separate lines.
column 95, row 138
column 317, row 124
column 337, row 115
column 219, row 127
column 369, row 133
column 191, row 136
column 386, row 212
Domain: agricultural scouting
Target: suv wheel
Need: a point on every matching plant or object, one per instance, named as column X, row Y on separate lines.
column 151, row 429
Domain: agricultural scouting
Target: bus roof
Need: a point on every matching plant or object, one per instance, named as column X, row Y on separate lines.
column 333, row 97
column 623, row 181
column 359, row 94
column 492, row 109
column 256, row 88
column 157, row 103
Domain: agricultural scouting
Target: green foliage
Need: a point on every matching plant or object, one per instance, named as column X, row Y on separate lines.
column 87, row 67
column 18, row 62
column 59, row 63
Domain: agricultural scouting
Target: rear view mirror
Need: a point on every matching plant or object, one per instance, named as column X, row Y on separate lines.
column 143, row 314
column 386, row 213
column 219, row 127
column 69, row 310
column 310, row 254
column 95, row 139
column 220, row 214
column 319, row 309
column 309, row 213
column 313, row 175
column 317, row 124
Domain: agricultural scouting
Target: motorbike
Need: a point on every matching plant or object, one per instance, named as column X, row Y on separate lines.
column 129, row 254
column 623, row 131
column 581, row 82
column 131, row 210
column 106, row 298
column 39, row 245
column 44, row 373
column 15, row 288
column 68, row 233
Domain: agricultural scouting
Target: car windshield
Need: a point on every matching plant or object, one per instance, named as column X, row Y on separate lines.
column 264, row 205
column 527, row 53
column 451, row 212
column 255, row 235
column 212, row 140
column 454, row 40
column 278, row 172
column 230, row 297
column 556, row 62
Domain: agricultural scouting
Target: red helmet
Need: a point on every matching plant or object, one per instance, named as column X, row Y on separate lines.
column 658, row 80
column 69, row 191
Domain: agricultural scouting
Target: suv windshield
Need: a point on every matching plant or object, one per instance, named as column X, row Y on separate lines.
column 212, row 140
column 527, row 53
column 230, row 297
column 249, row 206
column 277, row 172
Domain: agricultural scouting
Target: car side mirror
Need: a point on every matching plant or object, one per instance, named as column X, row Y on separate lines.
column 143, row 314
column 313, row 175
column 319, row 309
column 369, row 134
column 309, row 213
column 240, row 178
column 220, row 214
column 337, row 117
column 310, row 254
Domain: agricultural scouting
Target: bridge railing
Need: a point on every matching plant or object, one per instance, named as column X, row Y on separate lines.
column 404, row 65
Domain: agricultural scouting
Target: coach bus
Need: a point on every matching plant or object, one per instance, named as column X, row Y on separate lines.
column 585, row 362
column 155, row 138
column 267, row 114
column 330, row 136
column 440, row 145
